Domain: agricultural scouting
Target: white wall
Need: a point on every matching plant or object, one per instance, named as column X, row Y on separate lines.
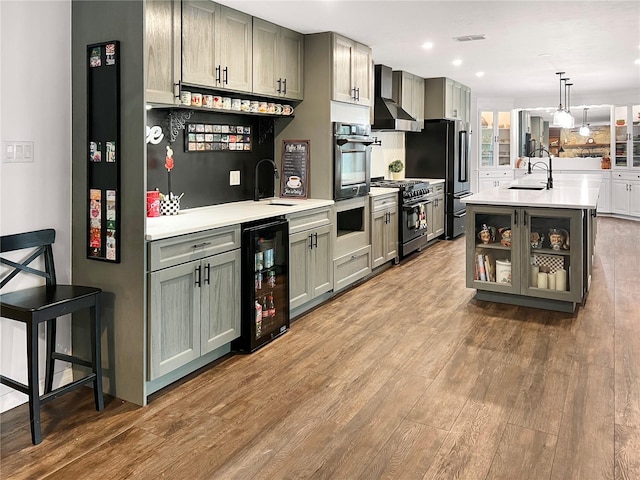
column 35, row 105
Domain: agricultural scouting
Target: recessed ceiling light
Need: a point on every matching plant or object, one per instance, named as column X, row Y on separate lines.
column 637, row 62
column 457, row 62
column 479, row 74
column 544, row 54
column 427, row 45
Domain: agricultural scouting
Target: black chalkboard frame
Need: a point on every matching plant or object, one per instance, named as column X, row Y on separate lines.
column 103, row 151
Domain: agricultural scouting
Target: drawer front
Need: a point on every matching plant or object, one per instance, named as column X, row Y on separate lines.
column 384, row 202
column 351, row 267
column 438, row 188
column 301, row 221
column 184, row 248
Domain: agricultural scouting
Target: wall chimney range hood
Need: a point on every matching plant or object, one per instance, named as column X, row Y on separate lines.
column 387, row 114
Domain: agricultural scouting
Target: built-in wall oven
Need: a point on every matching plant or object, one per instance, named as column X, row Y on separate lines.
column 352, row 160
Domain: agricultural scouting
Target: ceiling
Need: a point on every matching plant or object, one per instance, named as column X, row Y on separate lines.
column 594, row 42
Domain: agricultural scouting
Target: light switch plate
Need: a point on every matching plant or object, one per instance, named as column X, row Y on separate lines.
column 234, row 177
column 17, row 152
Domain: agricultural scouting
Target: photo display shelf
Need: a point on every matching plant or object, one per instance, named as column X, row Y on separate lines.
column 103, row 151
column 200, row 137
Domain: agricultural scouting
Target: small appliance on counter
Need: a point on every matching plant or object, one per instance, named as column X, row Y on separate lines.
column 265, row 283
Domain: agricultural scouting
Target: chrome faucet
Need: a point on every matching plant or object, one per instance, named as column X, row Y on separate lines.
column 256, row 193
column 549, row 168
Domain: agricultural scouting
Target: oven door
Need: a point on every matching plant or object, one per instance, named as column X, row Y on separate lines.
column 414, row 220
column 352, row 167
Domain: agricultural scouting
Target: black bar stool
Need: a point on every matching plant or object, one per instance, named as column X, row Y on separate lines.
column 46, row 303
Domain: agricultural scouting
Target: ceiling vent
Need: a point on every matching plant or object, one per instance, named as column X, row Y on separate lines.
column 470, row 38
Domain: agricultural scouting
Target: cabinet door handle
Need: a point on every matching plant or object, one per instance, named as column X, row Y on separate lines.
column 515, row 217
column 315, row 241
column 226, row 75
column 279, row 85
column 218, row 74
column 198, row 276
column 524, row 219
column 310, row 241
column 207, row 270
column 200, row 245
column 358, row 97
column 284, row 86
column 177, row 87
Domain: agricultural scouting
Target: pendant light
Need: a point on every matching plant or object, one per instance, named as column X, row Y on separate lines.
column 558, row 115
column 584, row 129
column 570, row 121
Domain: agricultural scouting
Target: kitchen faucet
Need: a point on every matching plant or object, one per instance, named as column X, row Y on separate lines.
column 549, row 168
column 256, row 193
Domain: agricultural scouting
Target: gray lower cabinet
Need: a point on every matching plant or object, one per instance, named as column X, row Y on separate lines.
column 384, row 229
column 194, row 306
column 278, row 56
column 437, row 216
column 503, row 262
column 310, row 256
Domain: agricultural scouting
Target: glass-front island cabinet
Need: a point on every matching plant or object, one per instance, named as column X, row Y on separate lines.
column 531, row 256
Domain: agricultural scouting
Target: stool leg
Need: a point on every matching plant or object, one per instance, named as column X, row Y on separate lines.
column 34, row 384
column 96, row 354
column 51, row 348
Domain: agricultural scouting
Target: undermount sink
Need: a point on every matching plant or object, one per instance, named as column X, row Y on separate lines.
column 527, row 187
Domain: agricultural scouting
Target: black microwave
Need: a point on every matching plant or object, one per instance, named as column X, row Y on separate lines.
column 352, row 160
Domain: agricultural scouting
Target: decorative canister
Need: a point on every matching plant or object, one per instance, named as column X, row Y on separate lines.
column 170, row 207
column 503, row 271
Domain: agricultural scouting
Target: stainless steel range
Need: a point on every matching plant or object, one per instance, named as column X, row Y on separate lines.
column 414, row 197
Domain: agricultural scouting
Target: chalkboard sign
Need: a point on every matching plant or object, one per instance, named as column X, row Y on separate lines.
column 295, row 168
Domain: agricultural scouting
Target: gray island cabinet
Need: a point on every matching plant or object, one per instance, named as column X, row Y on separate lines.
column 532, row 247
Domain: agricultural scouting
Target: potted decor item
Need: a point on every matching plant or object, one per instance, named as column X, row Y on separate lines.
column 396, row 168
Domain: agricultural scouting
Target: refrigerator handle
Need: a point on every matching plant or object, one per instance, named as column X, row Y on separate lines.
column 463, row 160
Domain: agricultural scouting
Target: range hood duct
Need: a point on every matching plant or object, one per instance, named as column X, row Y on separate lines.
column 387, row 114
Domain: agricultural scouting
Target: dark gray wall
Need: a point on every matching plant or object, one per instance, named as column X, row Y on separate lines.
column 123, row 312
column 203, row 177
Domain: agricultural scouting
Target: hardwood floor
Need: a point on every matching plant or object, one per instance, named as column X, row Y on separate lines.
column 404, row 377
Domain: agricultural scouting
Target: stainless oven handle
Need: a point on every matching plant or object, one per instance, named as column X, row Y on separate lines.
column 460, row 215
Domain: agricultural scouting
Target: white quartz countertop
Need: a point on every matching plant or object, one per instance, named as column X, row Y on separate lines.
column 204, row 218
column 569, row 191
column 375, row 191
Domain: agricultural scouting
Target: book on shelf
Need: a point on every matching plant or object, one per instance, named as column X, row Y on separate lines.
column 490, row 268
column 482, row 274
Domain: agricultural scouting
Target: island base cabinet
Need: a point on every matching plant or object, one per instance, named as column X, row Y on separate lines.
column 537, row 253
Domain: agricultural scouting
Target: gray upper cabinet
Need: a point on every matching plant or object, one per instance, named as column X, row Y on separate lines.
column 352, row 71
column 278, row 61
column 216, row 46
column 408, row 92
column 162, row 22
column 446, row 98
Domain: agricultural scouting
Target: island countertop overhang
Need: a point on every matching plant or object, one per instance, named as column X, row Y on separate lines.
column 570, row 191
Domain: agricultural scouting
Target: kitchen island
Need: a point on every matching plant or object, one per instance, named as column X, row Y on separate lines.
column 532, row 246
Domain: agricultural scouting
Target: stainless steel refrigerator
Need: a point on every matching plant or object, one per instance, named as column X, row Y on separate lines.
column 442, row 150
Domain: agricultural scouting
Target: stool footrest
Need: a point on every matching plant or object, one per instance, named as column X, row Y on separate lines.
column 71, row 359
column 67, row 388
column 21, row 387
